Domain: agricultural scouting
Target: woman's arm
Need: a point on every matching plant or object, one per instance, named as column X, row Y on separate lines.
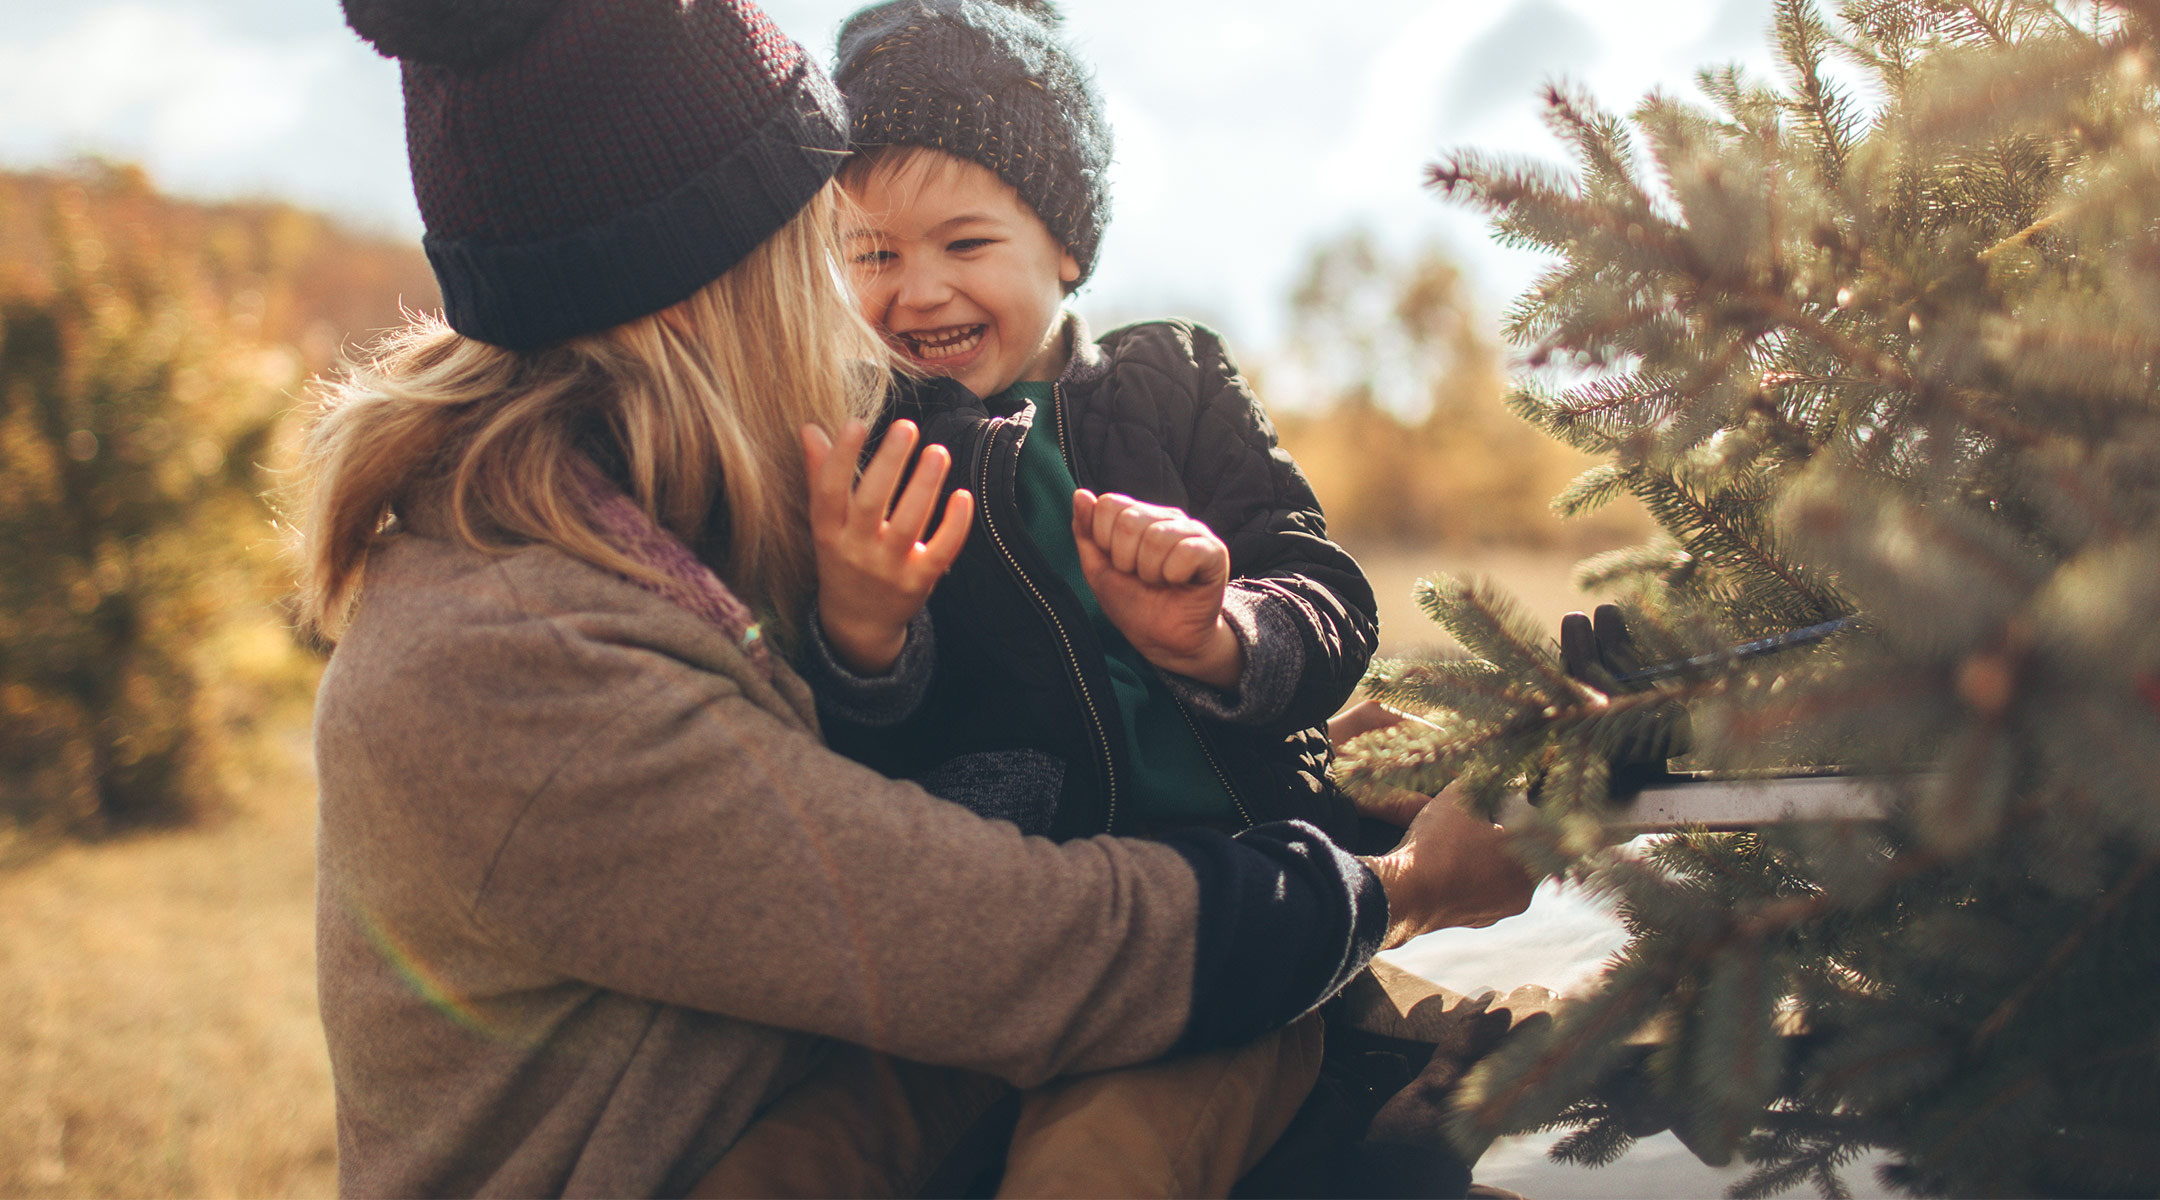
column 611, row 791
column 700, row 851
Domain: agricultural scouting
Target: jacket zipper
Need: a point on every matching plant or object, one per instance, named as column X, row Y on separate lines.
column 1236, row 801
column 1072, row 658
column 1057, row 421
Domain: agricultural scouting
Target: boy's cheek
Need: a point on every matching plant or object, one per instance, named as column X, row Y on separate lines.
column 868, row 304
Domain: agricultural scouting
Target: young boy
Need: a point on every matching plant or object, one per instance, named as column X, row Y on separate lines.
column 1130, row 619
column 1147, row 628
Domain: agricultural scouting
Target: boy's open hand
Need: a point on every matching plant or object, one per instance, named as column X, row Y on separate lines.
column 874, row 570
column 1160, row 576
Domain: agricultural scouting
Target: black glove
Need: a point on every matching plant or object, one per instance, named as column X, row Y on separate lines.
column 1601, row 652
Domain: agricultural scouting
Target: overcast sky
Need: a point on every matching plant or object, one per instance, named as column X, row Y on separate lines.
column 1247, row 130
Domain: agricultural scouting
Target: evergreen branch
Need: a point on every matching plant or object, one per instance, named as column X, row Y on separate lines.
column 1773, row 1178
column 1357, row 768
column 1665, row 973
column 1786, row 312
column 2146, row 11
column 2034, row 1078
column 1737, row 882
column 1989, row 365
column 1470, row 178
column 1591, row 490
column 1892, row 373
column 1781, row 379
column 1491, row 627
column 1661, row 490
column 1597, row 1144
column 1466, row 685
column 1802, row 35
column 2070, row 944
column 1660, row 556
column 1588, row 336
column 2028, row 233
column 1736, row 1037
column 1614, row 400
column 1600, row 142
column 1834, row 1080
column 1655, row 979
column 1749, row 725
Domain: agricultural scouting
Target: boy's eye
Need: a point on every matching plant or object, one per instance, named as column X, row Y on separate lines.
column 964, row 245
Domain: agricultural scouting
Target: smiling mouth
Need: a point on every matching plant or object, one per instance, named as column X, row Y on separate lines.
column 951, row 342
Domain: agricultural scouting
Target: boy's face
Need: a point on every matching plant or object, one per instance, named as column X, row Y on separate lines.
column 958, row 273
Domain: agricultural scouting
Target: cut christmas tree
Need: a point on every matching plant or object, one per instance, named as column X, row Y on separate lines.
column 1874, row 342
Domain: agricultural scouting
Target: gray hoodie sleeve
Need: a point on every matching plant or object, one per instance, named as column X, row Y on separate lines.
column 1274, row 661
column 873, row 701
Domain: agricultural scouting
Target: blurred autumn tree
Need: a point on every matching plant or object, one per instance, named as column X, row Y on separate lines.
column 146, row 350
column 1395, row 410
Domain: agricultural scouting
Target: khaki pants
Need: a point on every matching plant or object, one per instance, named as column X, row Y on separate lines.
column 865, row 1124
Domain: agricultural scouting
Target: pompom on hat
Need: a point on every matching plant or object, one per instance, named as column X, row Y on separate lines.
column 989, row 82
column 582, row 163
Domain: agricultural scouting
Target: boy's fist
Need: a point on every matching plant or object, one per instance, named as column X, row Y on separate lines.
column 874, row 569
column 1160, row 576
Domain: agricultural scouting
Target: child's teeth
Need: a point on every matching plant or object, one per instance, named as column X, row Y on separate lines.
column 945, row 345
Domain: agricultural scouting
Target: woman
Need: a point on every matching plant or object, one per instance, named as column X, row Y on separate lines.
column 592, row 894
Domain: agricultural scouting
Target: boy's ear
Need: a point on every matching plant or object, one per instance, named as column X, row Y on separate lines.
column 1068, row 268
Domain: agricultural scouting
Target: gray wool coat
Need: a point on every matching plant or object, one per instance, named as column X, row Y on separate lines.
column 592, row 892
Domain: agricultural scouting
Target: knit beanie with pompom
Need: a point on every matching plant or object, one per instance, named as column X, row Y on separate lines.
column 988, row 82
column 582, row 163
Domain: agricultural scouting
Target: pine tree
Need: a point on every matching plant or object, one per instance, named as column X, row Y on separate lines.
column 1877, row 339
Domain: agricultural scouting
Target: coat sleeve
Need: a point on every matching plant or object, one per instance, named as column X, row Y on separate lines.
column 1287, row 574
column 872, row 701
column 698, row 850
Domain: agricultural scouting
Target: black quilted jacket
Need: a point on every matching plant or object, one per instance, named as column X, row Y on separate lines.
column 1157, row 411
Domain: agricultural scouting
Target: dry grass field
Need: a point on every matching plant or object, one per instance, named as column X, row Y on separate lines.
column 160, row 1036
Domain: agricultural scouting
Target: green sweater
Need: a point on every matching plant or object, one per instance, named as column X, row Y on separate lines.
column 1172, row 781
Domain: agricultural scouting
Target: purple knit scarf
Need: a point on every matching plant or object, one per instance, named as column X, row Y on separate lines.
column 684, row 580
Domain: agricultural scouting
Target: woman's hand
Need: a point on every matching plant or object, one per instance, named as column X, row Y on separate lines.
column 1452, row 869
column 1160, row 576
column 874, row 570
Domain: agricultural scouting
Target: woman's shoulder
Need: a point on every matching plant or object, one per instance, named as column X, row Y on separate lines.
column 476, row 626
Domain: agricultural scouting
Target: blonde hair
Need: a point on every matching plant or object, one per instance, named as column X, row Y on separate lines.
column 695, row 409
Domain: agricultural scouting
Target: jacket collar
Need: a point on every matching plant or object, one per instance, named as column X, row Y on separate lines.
column 1088, row 363
column 926, row 397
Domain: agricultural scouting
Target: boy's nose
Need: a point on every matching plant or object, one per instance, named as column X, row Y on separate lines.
column 922, row 288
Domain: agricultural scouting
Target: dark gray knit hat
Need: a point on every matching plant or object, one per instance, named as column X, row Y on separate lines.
column 582, row 163
column 988, row 82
